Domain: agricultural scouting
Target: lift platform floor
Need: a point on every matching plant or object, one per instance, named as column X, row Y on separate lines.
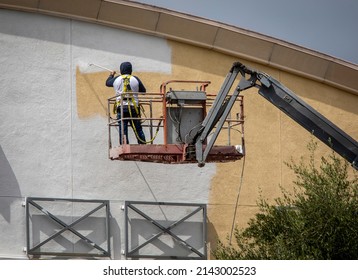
column 170, row 153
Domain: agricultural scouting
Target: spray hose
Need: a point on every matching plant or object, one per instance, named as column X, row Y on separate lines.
column 137, row 109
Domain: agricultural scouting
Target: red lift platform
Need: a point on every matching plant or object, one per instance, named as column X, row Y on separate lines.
column 174, row 120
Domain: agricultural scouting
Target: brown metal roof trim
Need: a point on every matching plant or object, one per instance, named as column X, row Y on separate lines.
column 201, row 32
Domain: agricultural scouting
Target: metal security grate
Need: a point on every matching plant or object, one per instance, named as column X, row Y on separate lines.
column 160, row 230
column 67, row 227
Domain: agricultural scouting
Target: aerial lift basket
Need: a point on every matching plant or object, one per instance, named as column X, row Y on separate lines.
column 172, row 118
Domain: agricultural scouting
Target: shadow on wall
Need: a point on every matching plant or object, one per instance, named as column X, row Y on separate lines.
column 9, row 187
column 116, row 245
column 92, row 228
column 78, row 33
column 184, row 239
column 213, row 239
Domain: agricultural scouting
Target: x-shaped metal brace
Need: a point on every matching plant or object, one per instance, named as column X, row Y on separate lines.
column 163, row 229
column 69, row 227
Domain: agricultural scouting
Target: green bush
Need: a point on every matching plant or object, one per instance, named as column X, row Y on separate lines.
column 318, row 220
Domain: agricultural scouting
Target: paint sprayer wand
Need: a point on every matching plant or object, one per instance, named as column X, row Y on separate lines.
column 99, row 66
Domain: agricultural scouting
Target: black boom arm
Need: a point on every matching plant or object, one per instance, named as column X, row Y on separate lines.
column 286, row 101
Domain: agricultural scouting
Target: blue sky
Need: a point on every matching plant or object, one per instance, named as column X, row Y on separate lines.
column 327, row 26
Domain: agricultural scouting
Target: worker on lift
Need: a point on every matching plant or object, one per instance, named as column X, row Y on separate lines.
column 125, row 84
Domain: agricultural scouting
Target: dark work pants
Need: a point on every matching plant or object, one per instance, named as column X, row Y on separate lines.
column 135, row 124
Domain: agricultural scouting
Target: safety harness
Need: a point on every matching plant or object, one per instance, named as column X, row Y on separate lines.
column 127, row 91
